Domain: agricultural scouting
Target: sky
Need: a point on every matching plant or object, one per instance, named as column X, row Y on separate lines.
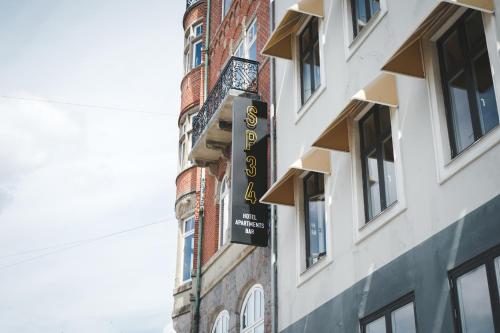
column 87, row 228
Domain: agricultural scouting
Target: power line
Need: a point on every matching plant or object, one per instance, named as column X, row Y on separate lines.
column 69, row 245
column 88, row 106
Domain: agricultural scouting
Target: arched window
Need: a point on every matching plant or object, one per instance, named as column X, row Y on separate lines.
column 252, row 315
column 224, row 212
column 221, row 324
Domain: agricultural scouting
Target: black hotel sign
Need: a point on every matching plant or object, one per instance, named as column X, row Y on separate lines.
column 249, row 222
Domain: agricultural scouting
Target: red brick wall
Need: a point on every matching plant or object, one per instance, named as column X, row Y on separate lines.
column 187, row 181
column 190, row 90
column 196, row 12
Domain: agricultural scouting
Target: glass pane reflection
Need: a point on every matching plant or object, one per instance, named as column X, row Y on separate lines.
column 474, row 301
column 377, row 326
column 403, row 320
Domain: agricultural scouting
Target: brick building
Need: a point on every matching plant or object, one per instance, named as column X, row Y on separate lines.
column 220, row 286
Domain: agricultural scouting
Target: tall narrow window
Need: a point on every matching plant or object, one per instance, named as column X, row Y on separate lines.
column 377, row 159
column 362, row 12
column 224, row 212
column 470, row 101
column 247, row 48
column 221, row 324
column 398, row 317
column 197, row 53
column 309, row 60
column 188, row 249
column 314, row 213
column 252, row 314
column 475, row 294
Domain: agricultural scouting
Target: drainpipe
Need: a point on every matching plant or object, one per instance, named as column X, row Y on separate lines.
column 196, row 321
column 274, row 213
column 201, row 214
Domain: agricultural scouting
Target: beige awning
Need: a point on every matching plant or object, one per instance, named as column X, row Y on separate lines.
column 408, row 59
column 382, row 90
column 282, row 192
column 279, row 43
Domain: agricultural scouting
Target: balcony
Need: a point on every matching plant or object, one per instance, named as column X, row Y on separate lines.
column 213, row 123
column 190, row 3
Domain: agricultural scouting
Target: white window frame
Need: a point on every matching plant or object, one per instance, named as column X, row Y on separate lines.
column 184, row 236
column 351, row 43
column 251, row 294
column 361, row 228
column 304, row 273
column 222, row 318
column 301, row 109
column 194, row 44
column 190, row 41
column 226, row 198
column 447, row 166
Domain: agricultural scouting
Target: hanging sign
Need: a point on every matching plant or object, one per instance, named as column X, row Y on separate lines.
column 249, row 221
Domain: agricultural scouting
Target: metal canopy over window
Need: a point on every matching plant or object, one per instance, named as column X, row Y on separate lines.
column 282, row 192
column 279, row 43
column 408, row 59
column 381, row 91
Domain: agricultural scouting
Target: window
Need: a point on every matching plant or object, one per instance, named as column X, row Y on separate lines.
column 188, row 249
column 314, row 213
column 185, row 134
column 475, row 296
column 221, row 323
column 309, row 60
column 226, row 4
column 247, row 48
column 193, row 46
column 224, row 212
column 398, row 317
column 197, row 53
column 252, row 316
column 377, row 161
column 471, row 108
column 362, row 12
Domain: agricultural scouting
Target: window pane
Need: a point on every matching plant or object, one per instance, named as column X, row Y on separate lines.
column 403, row 320
column 474, row 302
column 198, row 30
column 361, row 15
column 374, row 6
column 305, row 40
column 369, row 132
column 260, row 328
column 317, row 79
column 250, row 310
column 227, row 4
column 474, row 29
column 188, row 257
column 316, row 221
column 372, row 185
column 462, row 123
column 306, row 78
column 389, row 172
column 377, row 326
column 252, row 51
column 197, row 54
column 485, row 93
column 385, row 120
column 453, row 55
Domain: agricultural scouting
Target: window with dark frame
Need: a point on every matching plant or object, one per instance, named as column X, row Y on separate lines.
column 471, row 107
column 309, row 60
column 397, row 317
column 377, row 160
column 314, row 213
column 475, row 294
column 362, row 12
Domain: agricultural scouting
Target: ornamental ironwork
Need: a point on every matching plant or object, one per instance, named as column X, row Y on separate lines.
column 189, row 3
column 239, row 74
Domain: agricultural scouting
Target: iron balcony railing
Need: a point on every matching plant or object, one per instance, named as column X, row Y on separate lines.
column 189, row 3
column 239, row 74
